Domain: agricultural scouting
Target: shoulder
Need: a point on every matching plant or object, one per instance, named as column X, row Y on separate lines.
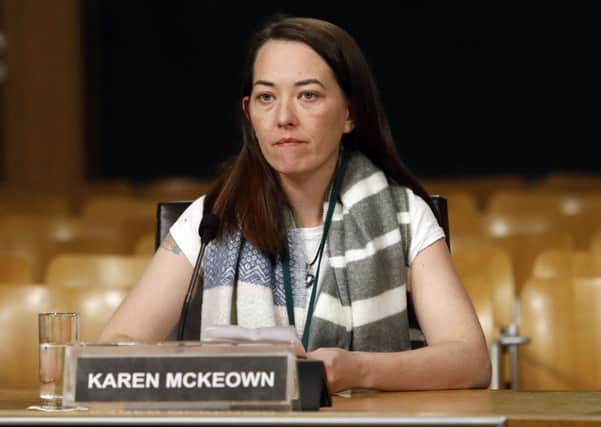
column 193, row 213
column 424, row 227
column 417, row 205
column 185, row 229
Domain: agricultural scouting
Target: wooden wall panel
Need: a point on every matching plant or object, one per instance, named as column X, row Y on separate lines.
column 42, row 141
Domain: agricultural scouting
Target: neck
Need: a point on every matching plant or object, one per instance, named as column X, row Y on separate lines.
column 307, row 194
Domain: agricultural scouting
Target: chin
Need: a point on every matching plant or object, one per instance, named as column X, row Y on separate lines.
column 292, row 168
column 293, row 172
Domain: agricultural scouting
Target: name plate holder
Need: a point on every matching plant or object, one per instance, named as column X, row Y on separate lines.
column 189, row 375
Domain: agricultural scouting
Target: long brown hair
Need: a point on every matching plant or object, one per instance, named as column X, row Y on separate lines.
column 247, row 196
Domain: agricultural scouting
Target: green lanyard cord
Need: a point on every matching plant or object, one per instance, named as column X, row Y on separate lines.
column 334, row 192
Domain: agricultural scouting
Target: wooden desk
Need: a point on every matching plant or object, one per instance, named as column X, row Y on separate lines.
column 461, row 407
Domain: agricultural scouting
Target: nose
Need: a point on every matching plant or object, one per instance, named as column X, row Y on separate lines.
column 286, row 113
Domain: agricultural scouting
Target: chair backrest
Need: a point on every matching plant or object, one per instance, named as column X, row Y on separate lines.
column 523, row 250
column 15, row 268
column 546, row 315
column 145, row 245
column 95, row 305
column 571, row 181
column 482, row 187
column 95, row 270
column 441, row 212
column 587, row 331
column 116, row 207
column 19, row 308
column 487, row 274
column 559, row 310
column 168, row 212
column 567, row 263
column 176, row 188
column 596, row 242
column 132, row 215
column 24, row 202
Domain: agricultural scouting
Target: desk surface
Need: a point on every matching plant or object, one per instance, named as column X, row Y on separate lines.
column 455, row 407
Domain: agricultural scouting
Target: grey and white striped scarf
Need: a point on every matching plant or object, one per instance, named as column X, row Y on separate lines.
column 362, row 303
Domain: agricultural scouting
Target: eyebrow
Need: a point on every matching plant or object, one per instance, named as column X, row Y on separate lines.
column 299, row 83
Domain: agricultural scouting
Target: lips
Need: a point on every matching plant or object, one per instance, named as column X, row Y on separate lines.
column 289, row 141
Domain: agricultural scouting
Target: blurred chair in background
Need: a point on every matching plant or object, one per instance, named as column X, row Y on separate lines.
column 562, row 181
column 95, row 305
column 525, row 236
column 107, row 187
column 494, row 265
column 111, row 207
column 79, row 235
column 587, row 330
column 465, row 219
column 103, row 188
column 38, row 238
column 461, row 202
column 26, row 236
column 23, row 201
column 522, row 201
column 19, row 308
column 88, row 270
column 480, row 292
column 560, row 306
column 487, row 274
column 481, row 187
column 546, row 306
column 581, row 227
column 132, row 216
column 501, row 224
column 175, row 188
column 15, row 269
column 596, row 242
column 145, row 245
column 525, row 248
column 574, row 212
column 567, row 263
column 463, row 211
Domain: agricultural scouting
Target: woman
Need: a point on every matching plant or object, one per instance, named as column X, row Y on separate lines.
column 321, row 226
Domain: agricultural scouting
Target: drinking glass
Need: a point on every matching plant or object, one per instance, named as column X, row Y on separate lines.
column 57, row 331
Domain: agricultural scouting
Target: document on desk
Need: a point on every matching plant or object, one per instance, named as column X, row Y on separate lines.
column 233, row 334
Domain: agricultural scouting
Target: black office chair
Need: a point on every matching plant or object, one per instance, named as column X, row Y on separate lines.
column 441, row 212
column 168, row 212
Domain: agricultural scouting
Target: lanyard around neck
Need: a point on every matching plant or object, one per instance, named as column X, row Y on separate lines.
column 334, row 192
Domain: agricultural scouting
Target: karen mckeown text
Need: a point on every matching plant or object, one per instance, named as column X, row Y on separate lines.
column 174, row 380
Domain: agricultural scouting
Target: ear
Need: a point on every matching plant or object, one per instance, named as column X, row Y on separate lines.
column 349, row 123
column 245, row 101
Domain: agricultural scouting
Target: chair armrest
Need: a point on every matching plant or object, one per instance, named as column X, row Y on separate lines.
column 510, row 336
column 507, row 340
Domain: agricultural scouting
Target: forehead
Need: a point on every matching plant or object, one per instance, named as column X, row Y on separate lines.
column 279, row 59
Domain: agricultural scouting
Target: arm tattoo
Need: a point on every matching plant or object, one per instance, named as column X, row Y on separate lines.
column 169, row 244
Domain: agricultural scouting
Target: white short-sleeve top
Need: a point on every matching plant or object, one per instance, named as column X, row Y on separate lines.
column 423, row 225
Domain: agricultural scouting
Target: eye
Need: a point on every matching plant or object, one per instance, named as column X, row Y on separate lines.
column 309, row 95
column 264, row 97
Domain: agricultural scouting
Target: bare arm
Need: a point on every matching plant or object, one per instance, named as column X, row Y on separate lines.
column 456, row 355
column 152, row 308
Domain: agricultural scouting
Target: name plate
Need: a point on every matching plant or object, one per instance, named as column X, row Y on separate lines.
column 182, row 375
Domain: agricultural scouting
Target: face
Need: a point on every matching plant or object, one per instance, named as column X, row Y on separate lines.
column 297, row 109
